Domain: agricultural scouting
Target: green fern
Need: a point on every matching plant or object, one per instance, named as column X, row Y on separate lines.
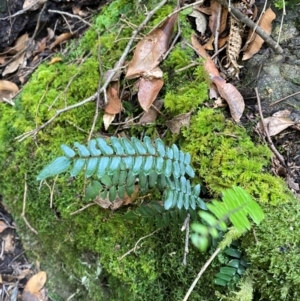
column 120, row 163
column 155, row 213
column 236, row 206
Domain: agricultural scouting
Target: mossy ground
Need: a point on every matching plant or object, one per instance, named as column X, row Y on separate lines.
column 81, row 245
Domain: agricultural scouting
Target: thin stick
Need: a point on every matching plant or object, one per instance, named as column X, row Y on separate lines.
column 105, row 85
column 70, row 15
column 272, row 146
column 24, row 207
column 244, row 19
column 206, row 265
column 136, row 245
column 83, row 208
column 20, row 12
column 186, row 227
column 284, row 98
column 281, row 23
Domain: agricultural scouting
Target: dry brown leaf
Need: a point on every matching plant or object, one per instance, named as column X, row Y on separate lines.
column 19, row 44
column 148, row 91
column 108, row 119
column 201, row 21
column 232, row 96
column 213, row 19
column 176, row 123
column 150, row 116
column 55, row 60
column 61, row 38
column 41, row 45
column 283, row 113
column 33, row 4
column 36, row 282
column 150, row 50
column 276, row 125
column 222, row 41
column 266, row 24
column 209, row 44
column 204, row 10
column 14, row 65
column 223, row 21
column 9, row 244
column 77, row 11
column 227, row 91
column 213, row 91
column 3, row 226
column 103, row 203
column 2, row 59
column 114, row 105
column 7, row 90
column 50, row 34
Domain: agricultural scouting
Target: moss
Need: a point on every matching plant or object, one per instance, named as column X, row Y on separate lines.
column 223, row 155
column 274, row 253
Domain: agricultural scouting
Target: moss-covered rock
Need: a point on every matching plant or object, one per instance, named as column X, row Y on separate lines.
column 81, row 253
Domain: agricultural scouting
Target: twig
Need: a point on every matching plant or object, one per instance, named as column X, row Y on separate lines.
column 98, row 95
column 206, row 265
column 83, row 208
column 136, row 245
column 217, row 31
column 284, row 98
column 272, row 146
column 70, row 15
column 20, row 12
column 186, row 227
column 281, row 23
column 103, row 88
column 24, row 207
column 244, row 19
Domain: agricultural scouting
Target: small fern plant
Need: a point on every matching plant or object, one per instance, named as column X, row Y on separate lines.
column 119, row 164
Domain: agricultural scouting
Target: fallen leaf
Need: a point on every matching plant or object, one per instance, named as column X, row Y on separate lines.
column 150, row 116
column 150, row 50
column 33, row 4
column 108, row 119
column 7, row 90
column 78, row 11
column 276, row 125
column 3, row 226
column 201, row 21
column 227, row 91
column 114, row 105
column 41, row 45
column 148, row 91
column 55, row 60
column 215, row 15
column 50, row 34
column 213, row 91
column 36, row 282
column 265, row 23
column 232, row 96
column 178, row 122
column 204, row 10
column 15, row 64
column 2, row 59
column 9, row 244
column 282, row 113
column 19, row 44
column 103, row 203
column 60, row 39
column 209, row 44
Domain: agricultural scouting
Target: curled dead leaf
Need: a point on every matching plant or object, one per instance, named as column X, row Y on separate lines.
column 108, row 119
column 150, row 116
column 276, row 125
column 150, row 50
column 114, row 105
column 60, row 39
column 176, row 123
column 36, row 282
column 226, row 90
column 148, row 91
column 265, row 23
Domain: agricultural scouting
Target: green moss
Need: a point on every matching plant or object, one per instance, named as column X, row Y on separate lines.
column 274, row 253
column 224, row 155
column 94, row 239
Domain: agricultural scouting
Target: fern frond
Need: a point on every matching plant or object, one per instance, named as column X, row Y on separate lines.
column 236, row 206
column 101, row 157
column 155, row 213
